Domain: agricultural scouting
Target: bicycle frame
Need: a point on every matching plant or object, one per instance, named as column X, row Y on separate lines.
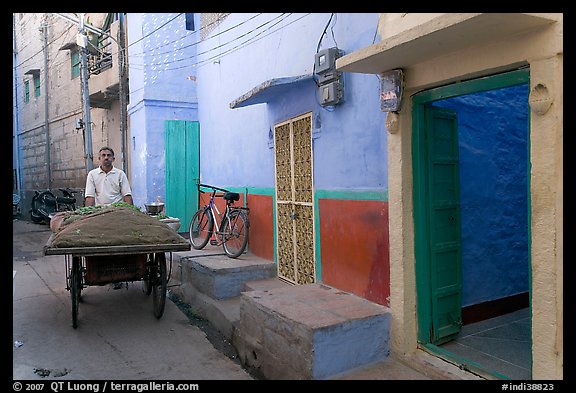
column 227, row 228
column 219, row 217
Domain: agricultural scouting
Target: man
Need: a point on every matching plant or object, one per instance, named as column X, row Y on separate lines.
column 107, row 184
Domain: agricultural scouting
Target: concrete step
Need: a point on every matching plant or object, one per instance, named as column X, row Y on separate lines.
column 216, row 275
column 286, row 331
column 309, row 332
column 210, row 283
column 265, row 285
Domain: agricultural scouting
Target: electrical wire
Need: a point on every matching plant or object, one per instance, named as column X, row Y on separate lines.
column 213, row 48
column 141, row 54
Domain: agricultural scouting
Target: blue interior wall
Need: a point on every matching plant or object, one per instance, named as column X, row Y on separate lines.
column 493, row 147
column 349, row 139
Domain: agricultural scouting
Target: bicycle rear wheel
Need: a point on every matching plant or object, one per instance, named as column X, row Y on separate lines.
column 235, row 233
column 201, row 228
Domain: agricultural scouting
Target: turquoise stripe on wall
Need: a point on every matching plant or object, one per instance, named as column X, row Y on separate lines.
column 252, row 190
column 353, row 195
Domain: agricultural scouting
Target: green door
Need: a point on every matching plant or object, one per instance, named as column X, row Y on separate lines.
column 442, row 175
column 182, row 156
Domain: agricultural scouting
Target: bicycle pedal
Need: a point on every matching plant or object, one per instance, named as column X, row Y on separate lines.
column 214, row 242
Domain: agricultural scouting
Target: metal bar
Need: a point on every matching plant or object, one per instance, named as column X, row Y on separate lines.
column 116, row 250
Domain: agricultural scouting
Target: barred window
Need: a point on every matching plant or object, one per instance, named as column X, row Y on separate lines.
column 26, row 91
column 75, row 58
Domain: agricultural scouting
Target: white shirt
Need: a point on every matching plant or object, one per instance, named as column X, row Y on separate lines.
column 107, row 188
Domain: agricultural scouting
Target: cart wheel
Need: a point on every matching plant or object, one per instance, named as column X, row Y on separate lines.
column 159, row 284
column 147, row 282
column 75, row 287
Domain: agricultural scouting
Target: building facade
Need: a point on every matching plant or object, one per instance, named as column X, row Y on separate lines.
column 461, row 55
column 55, row 141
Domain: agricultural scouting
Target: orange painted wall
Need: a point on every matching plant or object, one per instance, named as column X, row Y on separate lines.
column 354, row 247
column 261, row 236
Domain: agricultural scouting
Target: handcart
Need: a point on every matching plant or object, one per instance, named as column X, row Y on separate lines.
column 101, row 265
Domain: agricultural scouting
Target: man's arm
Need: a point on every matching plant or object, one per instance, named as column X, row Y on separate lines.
column 128, row 199
column 90, row 191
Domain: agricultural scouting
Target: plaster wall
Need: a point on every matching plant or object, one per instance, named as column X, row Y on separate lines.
column 162, row 87
column 148, row 165
column 349, row 142
column 546, row 186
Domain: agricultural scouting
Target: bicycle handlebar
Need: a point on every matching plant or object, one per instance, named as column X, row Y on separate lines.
column 212, row 187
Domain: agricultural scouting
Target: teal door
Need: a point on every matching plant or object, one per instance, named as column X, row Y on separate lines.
column 437, row 212
column 182, row 156
column 444, row 219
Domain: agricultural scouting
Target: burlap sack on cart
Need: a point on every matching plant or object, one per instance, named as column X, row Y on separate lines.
column 116, row 226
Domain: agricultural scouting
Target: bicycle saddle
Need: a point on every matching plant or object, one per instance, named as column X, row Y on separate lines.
column 66, row 200
column 231, row 196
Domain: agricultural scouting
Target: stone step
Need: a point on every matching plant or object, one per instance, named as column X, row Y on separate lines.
column 309, row 332
column 218, row 276
column 265, row 284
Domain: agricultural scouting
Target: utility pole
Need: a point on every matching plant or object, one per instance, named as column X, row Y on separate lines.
column 122, row 91
column 16, row 115
column 46, row 106
column 82, row 41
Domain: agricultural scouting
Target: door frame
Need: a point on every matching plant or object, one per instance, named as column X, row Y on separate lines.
column 421, row 229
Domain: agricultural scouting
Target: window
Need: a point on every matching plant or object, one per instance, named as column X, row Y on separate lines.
column 37, row 85
column 26, row 91
column 190, row 22
column 75, row 58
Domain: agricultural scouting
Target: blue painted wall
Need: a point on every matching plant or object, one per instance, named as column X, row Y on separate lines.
column 349, row 139
column 493, row 147
column 162, row 87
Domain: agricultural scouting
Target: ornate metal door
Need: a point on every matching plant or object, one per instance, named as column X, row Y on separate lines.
column 295, row 200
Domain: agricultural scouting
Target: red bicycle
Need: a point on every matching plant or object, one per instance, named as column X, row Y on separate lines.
column 230, row 227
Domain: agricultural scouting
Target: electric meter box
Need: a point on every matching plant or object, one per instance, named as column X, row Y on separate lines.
column 331, row 93
column 325, row 64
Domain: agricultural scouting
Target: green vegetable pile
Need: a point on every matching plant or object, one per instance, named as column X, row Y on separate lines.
column 91, row 209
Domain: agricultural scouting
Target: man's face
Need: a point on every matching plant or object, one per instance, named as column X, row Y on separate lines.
column 106, row 158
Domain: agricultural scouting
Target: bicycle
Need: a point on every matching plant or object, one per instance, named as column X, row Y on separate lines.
column 231, row 227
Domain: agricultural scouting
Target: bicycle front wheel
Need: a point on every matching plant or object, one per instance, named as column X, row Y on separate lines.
column 235, row 233
column 201, row 228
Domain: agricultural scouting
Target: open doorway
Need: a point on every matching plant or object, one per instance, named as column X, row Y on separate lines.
column 471, row 182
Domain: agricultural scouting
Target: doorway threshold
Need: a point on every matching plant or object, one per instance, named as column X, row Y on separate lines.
column 461, row 362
